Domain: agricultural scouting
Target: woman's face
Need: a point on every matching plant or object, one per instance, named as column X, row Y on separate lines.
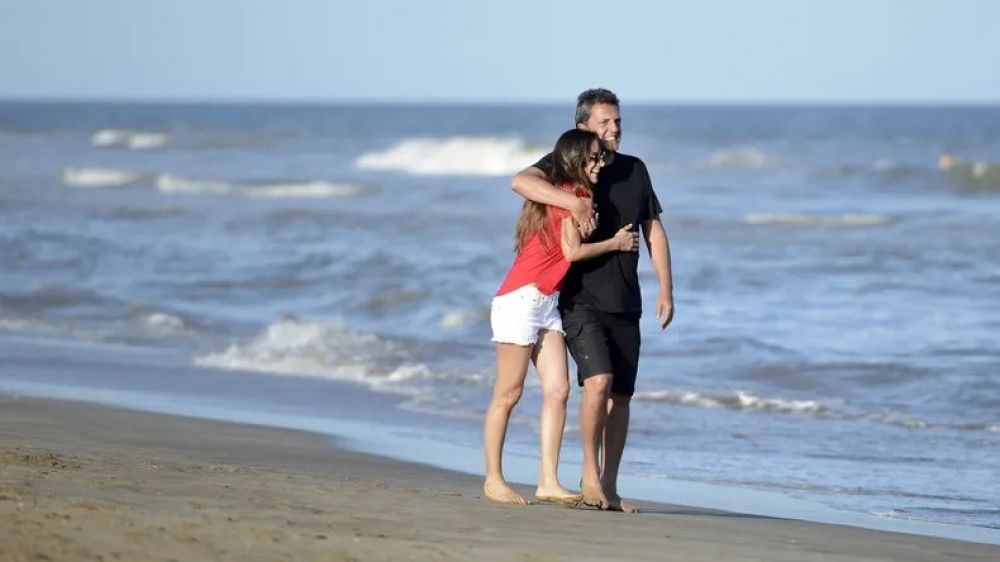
column 595, row 161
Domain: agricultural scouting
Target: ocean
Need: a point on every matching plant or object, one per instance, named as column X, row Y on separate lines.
column 835, row 352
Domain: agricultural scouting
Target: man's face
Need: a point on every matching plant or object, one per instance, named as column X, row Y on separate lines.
column 606, row 121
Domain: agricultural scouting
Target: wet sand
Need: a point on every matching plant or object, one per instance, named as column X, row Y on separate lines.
column 86, row 482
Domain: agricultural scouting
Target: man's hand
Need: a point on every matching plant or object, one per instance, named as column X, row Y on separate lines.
column 626, row 240
column 585, row 217
column 664, row 309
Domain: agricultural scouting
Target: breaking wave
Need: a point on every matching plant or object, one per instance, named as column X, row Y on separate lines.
column 135, row 140
column 158, row 322
column 459, row 156
column 94, row 177
column 98, row 177
column 323, row 350
column 86, row 315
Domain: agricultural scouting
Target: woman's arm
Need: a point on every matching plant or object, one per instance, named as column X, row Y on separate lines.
column 573, row 248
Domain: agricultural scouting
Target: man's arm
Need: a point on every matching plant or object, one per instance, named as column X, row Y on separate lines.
column 659, row 252
column 532, row 184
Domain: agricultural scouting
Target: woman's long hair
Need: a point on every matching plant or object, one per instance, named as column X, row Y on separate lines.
column 569, row 161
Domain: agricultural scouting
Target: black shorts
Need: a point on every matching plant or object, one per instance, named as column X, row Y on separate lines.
column 604, row 343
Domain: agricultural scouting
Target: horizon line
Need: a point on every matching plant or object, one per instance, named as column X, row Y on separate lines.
column 237, row 101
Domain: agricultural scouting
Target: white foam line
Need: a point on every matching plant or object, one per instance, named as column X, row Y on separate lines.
column 168, row 183
column 135, row 140
column 98, row 177
column 853, row 220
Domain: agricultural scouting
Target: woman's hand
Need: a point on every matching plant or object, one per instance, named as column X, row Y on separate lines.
column 585, row 217
column 626, row 240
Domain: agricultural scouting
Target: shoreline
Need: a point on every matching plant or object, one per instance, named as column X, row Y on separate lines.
column 79, row 480
column 163, row 382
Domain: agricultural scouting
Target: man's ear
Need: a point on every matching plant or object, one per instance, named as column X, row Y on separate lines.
column 581, row 126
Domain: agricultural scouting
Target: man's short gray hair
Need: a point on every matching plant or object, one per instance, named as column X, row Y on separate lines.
column 586, row 101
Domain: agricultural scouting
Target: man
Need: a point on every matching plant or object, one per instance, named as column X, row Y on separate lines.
column 600, row 300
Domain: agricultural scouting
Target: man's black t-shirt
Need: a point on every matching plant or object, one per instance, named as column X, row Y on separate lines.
column 610, row 282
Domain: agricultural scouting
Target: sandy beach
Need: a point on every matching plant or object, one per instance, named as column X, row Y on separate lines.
column 86, row 482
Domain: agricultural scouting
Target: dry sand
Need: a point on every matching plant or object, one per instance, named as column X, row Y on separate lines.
column 85, row 482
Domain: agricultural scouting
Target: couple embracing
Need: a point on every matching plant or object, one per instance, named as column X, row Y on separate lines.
column 574, row 283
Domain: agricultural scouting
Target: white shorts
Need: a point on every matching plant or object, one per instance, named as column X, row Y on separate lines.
column 518, row 316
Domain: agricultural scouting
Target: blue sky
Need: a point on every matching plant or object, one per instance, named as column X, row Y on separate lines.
column 908, row 51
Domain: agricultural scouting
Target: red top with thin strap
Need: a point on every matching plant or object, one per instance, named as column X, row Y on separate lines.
column 544, row 266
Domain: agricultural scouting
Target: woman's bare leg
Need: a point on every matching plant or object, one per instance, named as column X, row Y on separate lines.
column 550, row 360
column 512, row 366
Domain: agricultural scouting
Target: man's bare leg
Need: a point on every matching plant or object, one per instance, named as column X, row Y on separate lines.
column 593, row 413
column 512, row 366
column 550, row 362
column 615, row 433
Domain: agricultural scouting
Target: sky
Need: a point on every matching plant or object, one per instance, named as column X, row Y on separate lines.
column 707, row 51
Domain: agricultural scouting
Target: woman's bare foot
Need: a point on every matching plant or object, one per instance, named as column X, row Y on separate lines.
column 594, row 496
column 500, row 492
column 557, row 494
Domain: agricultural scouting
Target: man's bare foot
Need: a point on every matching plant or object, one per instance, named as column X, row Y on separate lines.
column 557, row 494
column 594, row 496
column 616, row 503
column 501, row 492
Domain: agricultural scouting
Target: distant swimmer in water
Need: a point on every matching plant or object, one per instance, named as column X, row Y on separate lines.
column 977, row 175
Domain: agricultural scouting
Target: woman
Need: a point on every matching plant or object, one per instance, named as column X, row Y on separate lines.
column 526, row 322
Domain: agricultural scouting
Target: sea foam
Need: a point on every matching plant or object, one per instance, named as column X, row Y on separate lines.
column 460, row 156
column 805, row 220
column 162, row 322
column 98, row 177
column 322, row 350
column 459, row 318
column 736, row 400
column 311, row 189
column 745, row 401
column 169, row 183
column 749, row 158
